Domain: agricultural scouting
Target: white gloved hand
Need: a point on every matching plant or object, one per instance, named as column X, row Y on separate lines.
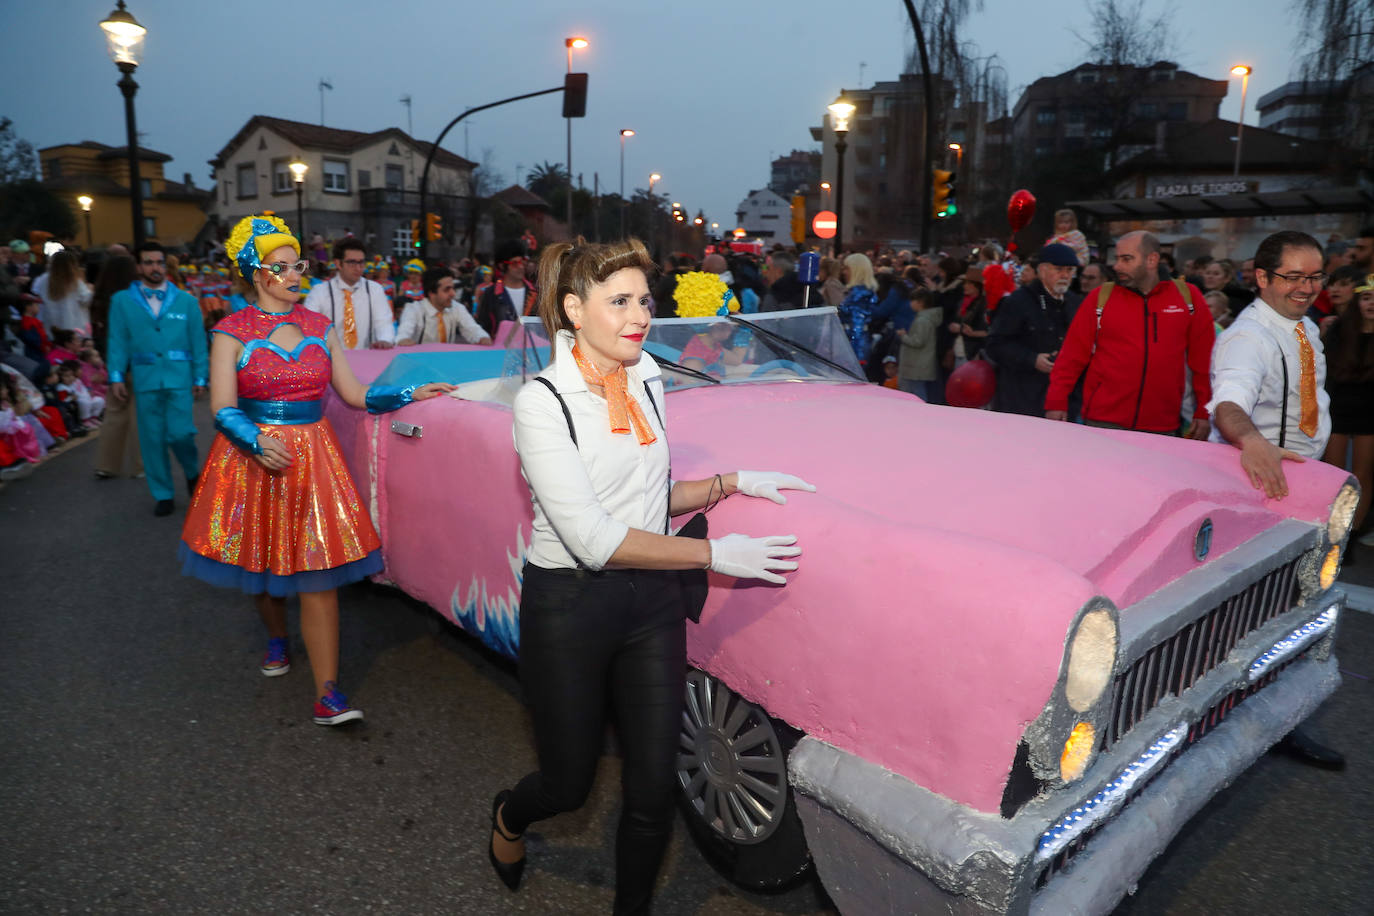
column 767, row 484
column 744, row 557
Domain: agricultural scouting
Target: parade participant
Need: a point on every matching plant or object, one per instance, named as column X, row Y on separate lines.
column 1133, row 342
column 190, row 277
column 119, row 430
column 601, row 622
column 1350, row 356
column 860, row 298
column 1268, row 394
column 383, row 279
column 355, row 305
column 412, row 287
column 1029, row 328
column 278, row 514
column 242, row 294
column 437, row 318
column 157, row 348
column 511, row 294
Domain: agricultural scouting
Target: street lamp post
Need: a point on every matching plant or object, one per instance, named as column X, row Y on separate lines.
column 654, row 178
column 625, row 132
column 1243, row 72
column 85, row 200
column 124, row 39
column 298, row 170
column 841, row 110
column 570, row 43
column 958, row 156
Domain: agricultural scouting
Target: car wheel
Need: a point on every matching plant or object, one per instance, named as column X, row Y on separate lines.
column 732, row 773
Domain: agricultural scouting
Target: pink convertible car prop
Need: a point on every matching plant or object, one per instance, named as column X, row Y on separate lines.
column 1018, row 655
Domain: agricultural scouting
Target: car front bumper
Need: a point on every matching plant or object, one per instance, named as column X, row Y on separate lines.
column 885, row 845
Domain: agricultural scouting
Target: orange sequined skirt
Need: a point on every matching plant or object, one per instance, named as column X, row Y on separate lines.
column 304, row 529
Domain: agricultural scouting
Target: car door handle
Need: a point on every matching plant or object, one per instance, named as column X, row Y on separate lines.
column 400, row 427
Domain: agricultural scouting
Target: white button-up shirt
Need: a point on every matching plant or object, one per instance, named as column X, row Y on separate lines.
column 420, row 323
column 588, row 495
column 1247, row 370
column 371, row 309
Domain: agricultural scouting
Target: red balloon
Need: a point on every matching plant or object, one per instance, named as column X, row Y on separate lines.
column 1020, row 209
column 971, row 385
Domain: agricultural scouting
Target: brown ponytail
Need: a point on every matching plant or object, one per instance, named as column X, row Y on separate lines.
column 575, row 267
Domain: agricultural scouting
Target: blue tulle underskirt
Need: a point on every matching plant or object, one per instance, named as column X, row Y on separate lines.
column 226, row 575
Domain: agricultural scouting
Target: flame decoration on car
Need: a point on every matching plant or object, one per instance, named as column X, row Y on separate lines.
column 492, row 617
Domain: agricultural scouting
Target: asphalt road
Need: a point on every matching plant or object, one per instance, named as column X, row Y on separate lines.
column 149, row 767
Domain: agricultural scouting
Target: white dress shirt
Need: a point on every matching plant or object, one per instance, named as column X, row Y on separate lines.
column 420, row 323
column 588, row 495
column 1247, row 370
column 371, row 309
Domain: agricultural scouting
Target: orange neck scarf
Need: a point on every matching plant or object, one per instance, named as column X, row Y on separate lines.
column 624, row 410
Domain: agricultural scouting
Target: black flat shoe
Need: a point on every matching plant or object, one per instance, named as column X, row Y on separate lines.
column 163, row 507
column 1302, row 746
column 191, row 485
column 508, row 872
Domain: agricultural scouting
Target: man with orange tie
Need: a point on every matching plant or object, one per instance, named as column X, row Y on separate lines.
column 1268, row 389
column 437, row 318
column 359, row 308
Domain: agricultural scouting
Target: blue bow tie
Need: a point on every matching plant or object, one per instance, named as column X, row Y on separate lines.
column 153, row 293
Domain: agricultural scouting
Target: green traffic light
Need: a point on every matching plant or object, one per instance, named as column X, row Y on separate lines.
column 951, row 210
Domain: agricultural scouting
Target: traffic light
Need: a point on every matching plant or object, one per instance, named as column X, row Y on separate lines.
column 575, row 95
column 415, row 233
column 943, row 203
column 434, row 227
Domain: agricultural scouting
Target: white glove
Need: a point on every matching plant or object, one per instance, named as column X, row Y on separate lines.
column 744, row 557
column 768, row 483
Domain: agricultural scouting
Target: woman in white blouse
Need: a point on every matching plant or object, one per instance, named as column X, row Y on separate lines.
column 601, row 619
column 66, row 297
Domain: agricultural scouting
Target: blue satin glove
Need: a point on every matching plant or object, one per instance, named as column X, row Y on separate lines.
column 386, row 398
column 238, row 429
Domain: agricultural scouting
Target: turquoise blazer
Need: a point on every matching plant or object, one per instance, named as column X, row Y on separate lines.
column 168, row 351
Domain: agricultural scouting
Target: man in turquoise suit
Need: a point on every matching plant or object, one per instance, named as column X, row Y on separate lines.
column 157, row 346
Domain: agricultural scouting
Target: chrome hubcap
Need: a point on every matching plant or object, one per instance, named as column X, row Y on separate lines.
column 730, row 762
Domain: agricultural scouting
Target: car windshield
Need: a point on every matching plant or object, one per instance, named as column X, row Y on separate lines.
column 798, row 345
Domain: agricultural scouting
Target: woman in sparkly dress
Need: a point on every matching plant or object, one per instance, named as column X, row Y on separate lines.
column 276, row 513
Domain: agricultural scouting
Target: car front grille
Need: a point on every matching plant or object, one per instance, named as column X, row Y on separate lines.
column 1181, row 660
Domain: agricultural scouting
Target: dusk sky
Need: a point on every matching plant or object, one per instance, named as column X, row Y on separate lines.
column 713, row 90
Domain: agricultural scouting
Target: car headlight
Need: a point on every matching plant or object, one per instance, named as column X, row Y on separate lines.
column 1342, row 513
column 1092, row 657
column 1331, row 567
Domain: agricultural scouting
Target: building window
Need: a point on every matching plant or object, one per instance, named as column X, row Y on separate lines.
column 247, row 176
column 150, row 227
column 1044, row 147
column 395, row 177
column 364, row 178
column 1178, row 111
column 145, row 186
column 282, row 181
column 336, row 176
column 54, row 168
column 1086, row 76
column 1044, row 116
column 400, row 242
column 1074, row 115
column 1147, row 110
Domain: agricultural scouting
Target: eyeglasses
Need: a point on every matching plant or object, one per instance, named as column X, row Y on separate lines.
column 280, row 267
column 354, row 262
column 1295, row 279
column 147, row 263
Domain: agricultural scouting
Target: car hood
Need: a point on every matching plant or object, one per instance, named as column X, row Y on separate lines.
column 1120, row 509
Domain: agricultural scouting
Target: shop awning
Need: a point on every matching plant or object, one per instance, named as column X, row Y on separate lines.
column 1269, row 203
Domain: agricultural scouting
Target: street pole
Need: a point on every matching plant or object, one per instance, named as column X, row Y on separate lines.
column 927, row 127
column 840, row 147
column 129, row 87
column 1240, row 124
column 300, row 211
column 622, row 184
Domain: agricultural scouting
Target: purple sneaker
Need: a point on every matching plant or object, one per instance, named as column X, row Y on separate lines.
column 333, row 708
column 277, row 661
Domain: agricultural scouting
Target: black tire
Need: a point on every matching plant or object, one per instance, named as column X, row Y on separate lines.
column 733, row 789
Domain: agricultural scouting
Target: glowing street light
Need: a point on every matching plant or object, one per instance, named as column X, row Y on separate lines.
column 841, row 110
column 625, row 132
column 124, row 40
column 85, row 200
column 958, row 155
column 578, row 42
column 298, row 170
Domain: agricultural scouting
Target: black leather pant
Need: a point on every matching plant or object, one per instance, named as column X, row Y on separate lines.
column 588, row 641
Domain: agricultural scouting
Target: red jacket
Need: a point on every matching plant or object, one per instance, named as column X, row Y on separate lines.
column 1135, row 374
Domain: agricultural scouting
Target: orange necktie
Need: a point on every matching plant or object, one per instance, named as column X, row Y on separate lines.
column 1307, row 384
column 443, row 329
column 350, row 323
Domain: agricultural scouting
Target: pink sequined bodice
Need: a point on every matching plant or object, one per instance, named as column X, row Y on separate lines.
column 268, row 372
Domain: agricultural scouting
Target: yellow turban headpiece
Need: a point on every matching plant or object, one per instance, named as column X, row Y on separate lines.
column 266, row 233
